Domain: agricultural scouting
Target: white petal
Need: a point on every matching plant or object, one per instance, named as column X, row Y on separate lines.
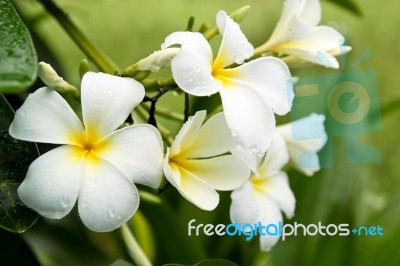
column 137, row 151
column 184, row 138
column 46, row 117
column 291, row 8
column 191, row 67
column 249, row 117
column 276, row 158
column 270, row 214
column 311, row 43
column 197, row 191
column 107, row 101
column 277, row 188
column 171, row 171
column 222, row 173
column 304, row 138
column 107, row 198
column 245, row 207
column 311, row 12
column 252, row 160
column 53, row 181
column 212, row 139
column 340, row 50
column 235, row 48
column 271, row 78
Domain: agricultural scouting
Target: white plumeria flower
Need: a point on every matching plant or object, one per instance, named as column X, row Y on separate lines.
column 192, row 167
column 304, row 138
column 298, row 35
column 266, row 193
column 250, row 93
column 96, row 164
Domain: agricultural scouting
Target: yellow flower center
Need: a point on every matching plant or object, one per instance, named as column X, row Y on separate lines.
column 219, row 73
column 88, row 145
column 259, row 184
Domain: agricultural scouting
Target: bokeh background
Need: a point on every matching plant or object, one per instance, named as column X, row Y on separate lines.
column 355, row 193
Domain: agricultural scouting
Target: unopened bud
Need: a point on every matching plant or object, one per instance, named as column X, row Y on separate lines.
column 50, row 77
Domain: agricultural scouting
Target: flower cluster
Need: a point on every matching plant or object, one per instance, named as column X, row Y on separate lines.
column 240, row 149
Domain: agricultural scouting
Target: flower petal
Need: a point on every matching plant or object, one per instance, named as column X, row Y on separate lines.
column 235, row 48
column 277, row 188
column 271, row 78
column 270, row 214
column 311, row 12
column 197, row 191
column 191, row 67
column 171, row 171
column 136, row 151
column 213, row 138
column 276, row 158
column 46, row 117
column 222, row 173
column 184, row 138
column 249, row 117
column 107, row 101
column 304, row 138
column 53, row 181
column 311, row 43
column 107, row 198
column 252, row 160
column 245, row 207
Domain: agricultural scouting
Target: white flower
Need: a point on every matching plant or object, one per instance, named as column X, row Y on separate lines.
column 267, row 193
column 250, row 93
column 304, row 138
column 95, row 165
column 192, row 167
column 297, row 34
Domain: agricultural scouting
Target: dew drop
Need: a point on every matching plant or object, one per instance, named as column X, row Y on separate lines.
column 261, row 154
column 234, row 133
column 111, row 213
column 65, row 202
column 84, row 204
column 252, row 151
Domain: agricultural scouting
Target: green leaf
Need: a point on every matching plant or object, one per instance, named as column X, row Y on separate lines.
column 18, row 59
column 349, row 5
column 209, row 262
column 16, row 156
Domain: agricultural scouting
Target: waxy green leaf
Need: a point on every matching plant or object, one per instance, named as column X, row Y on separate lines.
column 15, row 158
column 18, row 59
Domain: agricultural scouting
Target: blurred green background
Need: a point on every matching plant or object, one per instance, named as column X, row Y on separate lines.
column 358, row 194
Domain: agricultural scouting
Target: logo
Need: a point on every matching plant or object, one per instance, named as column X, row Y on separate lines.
column 280, row 230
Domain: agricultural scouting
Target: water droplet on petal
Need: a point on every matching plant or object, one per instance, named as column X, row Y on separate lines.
column 65, row 202
column 261, row 154
column 234, row 133
column 83, row 204
column 253, row 151
column 111, row 213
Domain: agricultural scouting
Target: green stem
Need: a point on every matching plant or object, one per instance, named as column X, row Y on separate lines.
column 165, row 133
column 166, row 112
column 155, row 84
column 134, row 250
column 102, row 62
